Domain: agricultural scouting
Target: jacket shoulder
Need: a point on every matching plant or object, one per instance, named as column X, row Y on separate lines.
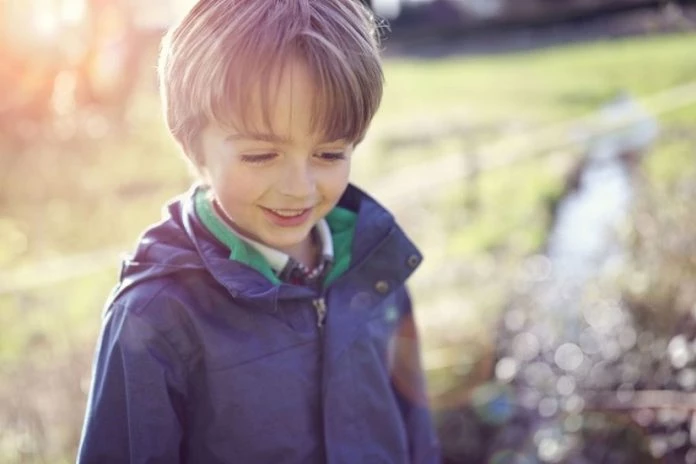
column 157, row 311
column 146, row 295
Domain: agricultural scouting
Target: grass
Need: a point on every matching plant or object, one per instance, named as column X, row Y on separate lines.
column 529, row 91
column 77, row 197
column 540, row 86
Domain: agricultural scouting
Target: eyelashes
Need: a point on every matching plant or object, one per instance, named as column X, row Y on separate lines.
column 267, row 157
column 332, row 156
column 258, row 159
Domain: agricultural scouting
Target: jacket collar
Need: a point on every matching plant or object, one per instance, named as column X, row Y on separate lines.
column 269, row 261
column 381, row 252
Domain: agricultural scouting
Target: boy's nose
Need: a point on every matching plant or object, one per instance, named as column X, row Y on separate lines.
column 298, row 181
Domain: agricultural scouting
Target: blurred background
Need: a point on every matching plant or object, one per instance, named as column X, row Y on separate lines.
column 540, row 152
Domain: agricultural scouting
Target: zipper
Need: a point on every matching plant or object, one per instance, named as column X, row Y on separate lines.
column 320, row 308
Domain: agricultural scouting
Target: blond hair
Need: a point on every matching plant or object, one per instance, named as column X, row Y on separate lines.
column 213, row 60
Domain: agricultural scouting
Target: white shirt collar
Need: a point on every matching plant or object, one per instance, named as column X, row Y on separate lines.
column 276, row 258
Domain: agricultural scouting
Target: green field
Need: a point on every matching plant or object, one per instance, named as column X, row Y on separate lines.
column 80, row 196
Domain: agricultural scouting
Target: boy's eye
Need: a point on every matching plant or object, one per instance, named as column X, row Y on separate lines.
column 332, row 156
column 260, row 158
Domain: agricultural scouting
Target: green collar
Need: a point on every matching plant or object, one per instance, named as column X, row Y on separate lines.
column 341, row 223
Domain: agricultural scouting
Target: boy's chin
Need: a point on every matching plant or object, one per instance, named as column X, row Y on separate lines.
column 289, row 238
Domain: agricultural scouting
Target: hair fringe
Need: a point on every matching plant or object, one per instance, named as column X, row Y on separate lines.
column 223, row 51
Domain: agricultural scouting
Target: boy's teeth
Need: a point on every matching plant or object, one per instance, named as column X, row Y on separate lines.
column 287, row 213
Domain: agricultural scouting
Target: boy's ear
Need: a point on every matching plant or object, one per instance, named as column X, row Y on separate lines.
column 194, row 153
column 201, row 170
column 359, row 140
column 197, row 159
column 196, row 163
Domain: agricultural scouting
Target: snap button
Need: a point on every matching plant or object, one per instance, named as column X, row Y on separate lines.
column 413, row 260
column 382, row 286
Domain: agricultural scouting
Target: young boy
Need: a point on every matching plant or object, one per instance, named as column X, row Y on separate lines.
column 265, row 319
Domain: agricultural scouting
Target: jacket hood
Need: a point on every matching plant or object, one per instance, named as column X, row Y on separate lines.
column 180, row 244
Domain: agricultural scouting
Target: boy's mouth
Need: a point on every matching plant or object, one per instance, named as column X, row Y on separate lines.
column 287, row 217
column 288, row 213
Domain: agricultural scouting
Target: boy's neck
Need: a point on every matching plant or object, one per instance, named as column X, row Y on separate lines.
column 306, row 252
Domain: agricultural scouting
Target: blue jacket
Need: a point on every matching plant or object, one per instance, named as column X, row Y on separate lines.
column 202, row 359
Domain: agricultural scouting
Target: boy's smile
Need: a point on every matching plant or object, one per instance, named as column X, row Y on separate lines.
column 288, row 217
column 275, row 183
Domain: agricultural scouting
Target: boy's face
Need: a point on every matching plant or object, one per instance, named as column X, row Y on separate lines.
column 275, row 185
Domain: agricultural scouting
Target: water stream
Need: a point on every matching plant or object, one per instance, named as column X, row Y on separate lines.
column 565, row 340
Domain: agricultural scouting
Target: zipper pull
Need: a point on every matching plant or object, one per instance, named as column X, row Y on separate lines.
column 320, row 307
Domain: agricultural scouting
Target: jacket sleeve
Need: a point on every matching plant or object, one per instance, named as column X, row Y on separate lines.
column 408, row 380
column 136, row 400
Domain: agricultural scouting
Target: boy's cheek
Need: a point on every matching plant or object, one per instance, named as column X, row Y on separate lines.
column 338, row 178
